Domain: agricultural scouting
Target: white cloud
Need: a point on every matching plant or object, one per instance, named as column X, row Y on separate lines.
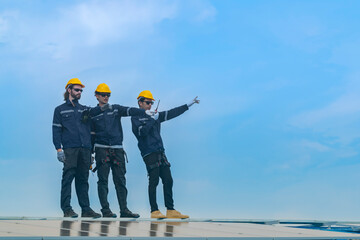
column 86, row 24
column 6, row 162
column 347, row 54
column 300, row 31
column 3, row 26
column 5, row 19
column 318, row 153
column 67, row 31
column 102, row 21
column 342, row 107
column 338, row 119
column 207, row 13
column 314, row 146
column 298, row 162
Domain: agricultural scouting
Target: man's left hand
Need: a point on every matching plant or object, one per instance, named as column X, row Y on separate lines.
column 195, row 100
column 92, row 159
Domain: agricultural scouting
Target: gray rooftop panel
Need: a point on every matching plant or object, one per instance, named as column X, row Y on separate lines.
column 103, row 228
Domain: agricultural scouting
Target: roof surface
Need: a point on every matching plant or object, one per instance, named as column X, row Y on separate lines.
column 110, row 228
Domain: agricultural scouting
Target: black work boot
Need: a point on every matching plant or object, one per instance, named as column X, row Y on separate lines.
column 70, row 213
column 108, row 214
column 128, row 214
column 90, row 214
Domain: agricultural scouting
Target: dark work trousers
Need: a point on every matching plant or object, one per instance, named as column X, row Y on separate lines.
column 77, row 164
column 158, row 166
column 113, row 159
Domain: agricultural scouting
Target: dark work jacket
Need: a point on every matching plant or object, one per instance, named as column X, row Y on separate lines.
column 106, row 125
column 69, row 131
column 147, row 130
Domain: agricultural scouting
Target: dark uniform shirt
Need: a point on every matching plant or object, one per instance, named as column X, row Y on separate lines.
column 106, row 125
column 69, row 129
column 147, row 130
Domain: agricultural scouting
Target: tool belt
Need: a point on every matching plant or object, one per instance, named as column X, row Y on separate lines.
column 110, row 157
column 155, row 160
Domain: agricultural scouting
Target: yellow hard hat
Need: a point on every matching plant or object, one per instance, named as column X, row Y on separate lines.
column 146, row 94
column 103, row 88
column 74, row 81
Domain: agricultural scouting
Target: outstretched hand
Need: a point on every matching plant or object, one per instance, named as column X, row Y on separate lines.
column 195, row 100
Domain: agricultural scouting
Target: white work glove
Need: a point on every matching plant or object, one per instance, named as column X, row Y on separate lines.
column 150, row 113
column 195, row 100
column 92, row 159
column 153, row 114
column 106, row 107
column 61, row 156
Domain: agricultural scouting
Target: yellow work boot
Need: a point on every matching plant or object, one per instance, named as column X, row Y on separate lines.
column 157, row 214
column 175, row 214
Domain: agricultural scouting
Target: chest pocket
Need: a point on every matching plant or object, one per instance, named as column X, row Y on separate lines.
column 111, row 118
column 143, row 121
column 67, row 115
column 112, row 114
column 98, row 119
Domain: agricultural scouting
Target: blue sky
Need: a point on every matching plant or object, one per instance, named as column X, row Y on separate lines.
column 276, row 133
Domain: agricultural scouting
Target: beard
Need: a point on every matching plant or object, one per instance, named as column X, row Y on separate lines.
column 76, row 96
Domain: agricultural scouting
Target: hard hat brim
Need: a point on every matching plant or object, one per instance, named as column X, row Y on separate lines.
column 104, row 91
column 74, row 84
column 145, row 97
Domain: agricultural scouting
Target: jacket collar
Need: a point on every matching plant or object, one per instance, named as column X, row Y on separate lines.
column 75, row 102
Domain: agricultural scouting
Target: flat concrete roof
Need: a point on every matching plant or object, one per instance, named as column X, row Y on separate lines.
column 114, row 228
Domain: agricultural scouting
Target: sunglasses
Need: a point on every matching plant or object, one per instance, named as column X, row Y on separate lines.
column 77, row 89
column 105, row 94
column 148, row 102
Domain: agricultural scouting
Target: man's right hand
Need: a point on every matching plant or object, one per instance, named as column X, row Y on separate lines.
column 150, row 113
column 153, row 114
column 61, row 156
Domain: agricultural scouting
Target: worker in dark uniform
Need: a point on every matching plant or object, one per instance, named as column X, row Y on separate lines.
column 72, row 140
column 147, row 131
column 109, row 152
